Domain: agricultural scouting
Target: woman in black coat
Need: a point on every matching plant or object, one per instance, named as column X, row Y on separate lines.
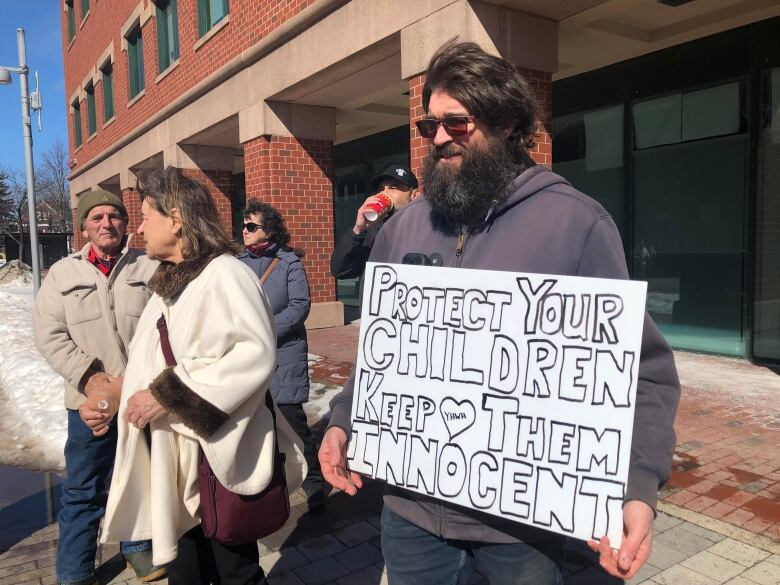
column 284, row 281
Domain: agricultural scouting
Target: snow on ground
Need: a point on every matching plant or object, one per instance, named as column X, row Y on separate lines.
column 33, row 424
column 34, row 421
column 318, row 407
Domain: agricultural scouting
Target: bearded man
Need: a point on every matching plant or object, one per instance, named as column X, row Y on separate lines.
column 487, row 205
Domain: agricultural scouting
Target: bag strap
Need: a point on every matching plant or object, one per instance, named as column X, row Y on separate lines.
column 170, row 360
column 270, row 269
column 162, row 327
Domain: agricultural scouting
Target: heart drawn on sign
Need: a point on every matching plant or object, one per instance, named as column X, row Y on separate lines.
column 458, row 416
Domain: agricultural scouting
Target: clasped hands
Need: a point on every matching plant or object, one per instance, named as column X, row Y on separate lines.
column 103, row 393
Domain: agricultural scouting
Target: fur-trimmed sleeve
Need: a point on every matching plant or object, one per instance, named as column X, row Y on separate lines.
column 222, row 336
column 198, row 414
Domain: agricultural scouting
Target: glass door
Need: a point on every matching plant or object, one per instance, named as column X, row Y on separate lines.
column 766, row 319
column 689, row 203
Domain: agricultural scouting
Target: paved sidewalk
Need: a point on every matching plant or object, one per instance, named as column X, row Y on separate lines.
column 718, row 518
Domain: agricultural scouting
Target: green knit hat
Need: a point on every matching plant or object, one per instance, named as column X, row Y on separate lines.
column 94, row 198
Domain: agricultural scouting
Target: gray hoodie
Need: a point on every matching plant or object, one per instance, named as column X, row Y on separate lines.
column 542, row 225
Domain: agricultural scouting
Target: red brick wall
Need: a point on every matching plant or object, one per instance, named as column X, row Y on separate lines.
column 78, row 239
column 418, row 147
column 250, row 21
column 542, row 85
column 220, row 185
column 132, row 203
column 295, row 176
column 541, row 82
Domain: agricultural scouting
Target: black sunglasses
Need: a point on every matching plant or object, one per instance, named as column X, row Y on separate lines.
column 252, row 227
column 453, row 125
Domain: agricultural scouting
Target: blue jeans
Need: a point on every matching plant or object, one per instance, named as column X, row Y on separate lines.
column 88, row 461
column 414, row 556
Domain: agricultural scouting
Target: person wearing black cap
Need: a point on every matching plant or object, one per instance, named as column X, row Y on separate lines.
column 351, row 252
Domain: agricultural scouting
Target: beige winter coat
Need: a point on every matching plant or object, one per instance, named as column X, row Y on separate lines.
column 84, row 320
column 222, row 336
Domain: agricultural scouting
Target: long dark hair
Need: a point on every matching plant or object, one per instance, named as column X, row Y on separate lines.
column 490, row 87
column 273, row 224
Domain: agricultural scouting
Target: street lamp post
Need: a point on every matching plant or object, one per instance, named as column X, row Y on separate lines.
column 5, row 78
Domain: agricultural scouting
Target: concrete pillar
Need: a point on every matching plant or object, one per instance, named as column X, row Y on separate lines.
column 530, row 42
column 132, row 202
column 78, row 239
column 212, row 167
column 418, row 146
column 290, row 166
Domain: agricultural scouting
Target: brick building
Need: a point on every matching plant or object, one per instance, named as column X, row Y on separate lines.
column 299, row 102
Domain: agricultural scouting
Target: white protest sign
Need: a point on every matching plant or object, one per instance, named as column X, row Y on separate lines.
column 508, row 393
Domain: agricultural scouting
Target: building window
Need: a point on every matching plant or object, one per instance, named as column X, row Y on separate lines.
column 689, row 116
column 135, row 58
column 76, row 106
column 91, row 114
column 167, row 33
column 84, row 9
column 107, row 72
column 71, row 20
column 210, row 12
column 588, row 151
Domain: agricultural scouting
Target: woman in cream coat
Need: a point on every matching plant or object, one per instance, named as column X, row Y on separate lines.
column 222, row 335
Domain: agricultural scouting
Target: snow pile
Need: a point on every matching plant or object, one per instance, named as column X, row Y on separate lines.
column 318, row 406
column 34, row 421
column 15, row 271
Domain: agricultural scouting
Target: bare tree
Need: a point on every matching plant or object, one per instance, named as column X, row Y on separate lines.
column 52, row 185
column 6, row 207
column 16, row 181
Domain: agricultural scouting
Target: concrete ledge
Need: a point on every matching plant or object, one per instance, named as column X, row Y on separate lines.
column 329, row 314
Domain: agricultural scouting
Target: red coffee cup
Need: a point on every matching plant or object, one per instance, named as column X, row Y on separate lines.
column 374, row 210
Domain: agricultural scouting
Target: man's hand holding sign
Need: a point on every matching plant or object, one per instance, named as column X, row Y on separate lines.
column 515, row 398
column 512, row 391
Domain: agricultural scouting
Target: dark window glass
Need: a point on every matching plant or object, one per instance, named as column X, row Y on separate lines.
column 167, row 34
column 107, row 72
column 588, row 151
column 210, row 12
column 71, row 21
column 84, row 8
column 689, row 176
column 91, row 114
column 766, row 321
column 693, row 115
column 135, row 58
column 77, row 123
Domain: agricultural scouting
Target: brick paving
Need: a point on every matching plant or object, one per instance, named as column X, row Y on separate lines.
column 727, row 460
column 717, row 524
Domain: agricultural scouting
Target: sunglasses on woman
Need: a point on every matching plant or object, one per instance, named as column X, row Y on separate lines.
column 252, row 227
column 453, row 125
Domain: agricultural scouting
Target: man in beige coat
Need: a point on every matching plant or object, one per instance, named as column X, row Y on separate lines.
column 85, row 315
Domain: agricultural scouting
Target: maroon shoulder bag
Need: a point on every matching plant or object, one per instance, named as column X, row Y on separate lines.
column 228, row 517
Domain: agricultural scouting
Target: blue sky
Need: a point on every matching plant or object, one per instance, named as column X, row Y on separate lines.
column 40, row 20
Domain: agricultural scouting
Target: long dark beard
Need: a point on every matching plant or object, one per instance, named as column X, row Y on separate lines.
column 463, row 196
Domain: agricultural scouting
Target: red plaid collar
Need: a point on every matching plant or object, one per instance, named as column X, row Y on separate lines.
column 104, row 266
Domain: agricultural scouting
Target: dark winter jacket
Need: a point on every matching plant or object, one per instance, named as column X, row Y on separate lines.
column 542, row 225
column 288, row 292
column 352, row 250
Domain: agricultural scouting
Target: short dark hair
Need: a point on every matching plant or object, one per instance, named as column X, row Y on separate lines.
column 273, row 223
column 202, row 233
column 490, row 87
